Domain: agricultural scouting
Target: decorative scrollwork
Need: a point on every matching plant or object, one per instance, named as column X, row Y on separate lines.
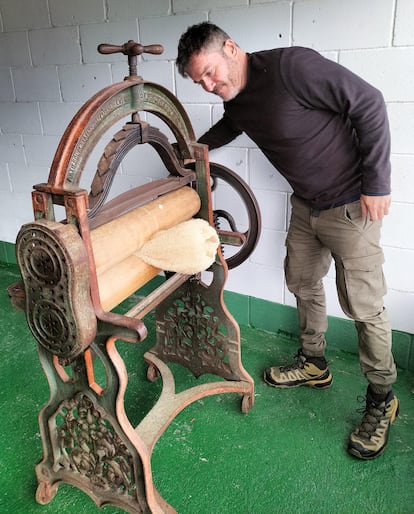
column 54, row 268
column 42, row 258
column 52, row 326
column 89, row 445
column 45, row 274
column 194, row 332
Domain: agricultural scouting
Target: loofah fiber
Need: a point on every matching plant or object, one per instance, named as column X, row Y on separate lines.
column 188, row 248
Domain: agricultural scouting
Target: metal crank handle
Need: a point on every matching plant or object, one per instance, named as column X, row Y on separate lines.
column 130, row 48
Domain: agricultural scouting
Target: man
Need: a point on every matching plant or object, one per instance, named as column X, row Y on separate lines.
column 326, row 131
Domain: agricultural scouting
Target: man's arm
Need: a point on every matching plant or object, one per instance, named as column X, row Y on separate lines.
column 220, row 134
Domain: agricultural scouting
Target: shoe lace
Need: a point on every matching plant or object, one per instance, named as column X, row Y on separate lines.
column 298, row 362
column 373, row 413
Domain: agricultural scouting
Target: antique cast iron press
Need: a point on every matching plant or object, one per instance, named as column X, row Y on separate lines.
column 76, row 271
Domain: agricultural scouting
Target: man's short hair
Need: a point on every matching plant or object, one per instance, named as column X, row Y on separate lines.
column 197, row 37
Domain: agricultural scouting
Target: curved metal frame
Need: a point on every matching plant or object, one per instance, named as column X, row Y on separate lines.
column 102, row 111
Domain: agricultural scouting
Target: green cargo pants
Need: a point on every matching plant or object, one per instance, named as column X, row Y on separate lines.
column 353, row 241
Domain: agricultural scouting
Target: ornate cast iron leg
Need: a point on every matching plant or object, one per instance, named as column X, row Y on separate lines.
column 87, row 439
column 195, row 330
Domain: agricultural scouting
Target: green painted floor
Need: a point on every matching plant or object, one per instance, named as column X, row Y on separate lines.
column 287, row 456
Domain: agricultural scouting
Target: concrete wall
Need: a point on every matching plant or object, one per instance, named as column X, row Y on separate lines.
column 49, row 66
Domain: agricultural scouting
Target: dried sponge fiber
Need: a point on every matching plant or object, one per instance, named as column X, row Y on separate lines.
column 188, row 247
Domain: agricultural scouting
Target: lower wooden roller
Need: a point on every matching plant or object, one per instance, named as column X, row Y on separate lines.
column 119, row 271
column 123, row 280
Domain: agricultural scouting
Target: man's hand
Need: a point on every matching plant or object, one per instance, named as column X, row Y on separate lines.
column 376, row 206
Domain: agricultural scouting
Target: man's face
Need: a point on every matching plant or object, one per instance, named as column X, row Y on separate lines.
column 217, row 71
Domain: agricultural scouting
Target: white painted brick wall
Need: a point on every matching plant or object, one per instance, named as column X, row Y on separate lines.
column 14, row 49
column 21, row 174
column 389, row 69
column 12, row 149
column 193, row 5
column 79, row 82
column 6, row 86
column 402, row 177
column 401, row 115
column 55, row 116
column 256, row 28
column 49, row 66
column 23, row 117
column 75, row 12
column 5, row 184
column 40, row 149
column 120, row 10
column 55, row 46
column 24, row 15
column 36, row 84
column 403, row 32
column 336, row 25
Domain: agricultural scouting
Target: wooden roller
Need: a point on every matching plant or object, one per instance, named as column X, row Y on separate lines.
column 120, row 272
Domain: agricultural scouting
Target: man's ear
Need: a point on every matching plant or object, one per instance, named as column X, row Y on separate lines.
column 230, row 47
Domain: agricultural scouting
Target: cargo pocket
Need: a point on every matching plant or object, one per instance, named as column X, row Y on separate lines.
column 361, row 285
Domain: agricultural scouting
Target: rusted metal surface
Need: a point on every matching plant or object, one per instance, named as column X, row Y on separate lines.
column 88, row 440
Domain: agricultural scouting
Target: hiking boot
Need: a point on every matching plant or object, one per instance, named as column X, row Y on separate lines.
column 369, row 439
column 308, row 371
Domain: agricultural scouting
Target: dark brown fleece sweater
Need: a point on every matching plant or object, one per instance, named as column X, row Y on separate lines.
column 322, row 127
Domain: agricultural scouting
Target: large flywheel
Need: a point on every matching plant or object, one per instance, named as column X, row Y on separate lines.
column 234, row 232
